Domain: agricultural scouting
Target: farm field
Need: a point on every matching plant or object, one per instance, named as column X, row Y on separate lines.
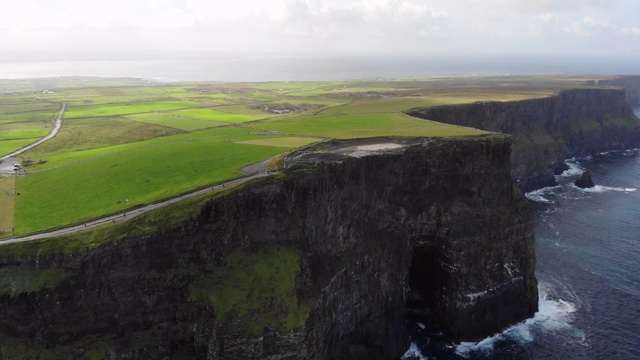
column 6, row 203
column 122, row 144
column 24, row 120
column 129, row 178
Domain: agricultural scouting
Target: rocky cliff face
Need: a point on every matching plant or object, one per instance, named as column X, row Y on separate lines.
column 313, row 265
column 630, row 83
column 548, row 130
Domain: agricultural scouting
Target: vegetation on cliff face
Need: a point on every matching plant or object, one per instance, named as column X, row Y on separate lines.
column 258, row 289
column 16, row 280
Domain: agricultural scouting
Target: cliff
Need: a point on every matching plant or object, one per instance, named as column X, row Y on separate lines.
column 316, row 263
column 548, row 130
column 631, row 85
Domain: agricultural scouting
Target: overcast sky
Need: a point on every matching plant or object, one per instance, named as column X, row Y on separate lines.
column 330, row 27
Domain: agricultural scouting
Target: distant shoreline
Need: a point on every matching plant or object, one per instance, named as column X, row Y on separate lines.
column 307, row 68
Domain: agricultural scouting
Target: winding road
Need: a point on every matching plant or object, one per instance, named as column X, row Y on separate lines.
column 53, row 133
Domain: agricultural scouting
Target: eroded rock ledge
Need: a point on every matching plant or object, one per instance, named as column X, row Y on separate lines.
column 344, row 243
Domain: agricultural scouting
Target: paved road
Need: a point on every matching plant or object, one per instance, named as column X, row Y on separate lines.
column 51, row 135
column 137, row 211
column 129, row 214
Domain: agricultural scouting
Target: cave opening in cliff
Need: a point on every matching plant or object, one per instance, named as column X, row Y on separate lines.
column 426, row 281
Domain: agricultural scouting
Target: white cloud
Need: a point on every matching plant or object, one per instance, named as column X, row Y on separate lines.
column 634, row 31
column 548, row 17
column 587, row 27
column 320, row 26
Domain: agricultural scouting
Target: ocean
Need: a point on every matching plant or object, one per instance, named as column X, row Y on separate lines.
column 283, row 67
column 588, row 269
column 231, row 69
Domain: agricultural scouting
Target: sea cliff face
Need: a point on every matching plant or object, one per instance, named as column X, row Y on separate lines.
column 315, row 264
column 549, row 130
column 630, row 83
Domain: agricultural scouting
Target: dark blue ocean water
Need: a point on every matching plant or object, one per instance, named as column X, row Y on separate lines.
column 588, row 253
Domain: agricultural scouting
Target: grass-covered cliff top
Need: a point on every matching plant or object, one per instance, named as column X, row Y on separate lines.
column 124, row 143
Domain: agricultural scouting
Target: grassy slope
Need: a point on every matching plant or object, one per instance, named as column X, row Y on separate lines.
column 6, row 203
column 24, row 121
column 285, row 142
column 129, row 108
column 210, row 114
column 89, row 189
column 146, row 223
column 174, row 121
column 365, row 125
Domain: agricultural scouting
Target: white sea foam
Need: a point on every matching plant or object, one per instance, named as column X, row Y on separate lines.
column 574, row 168
column 554, row 315
column 602, row 189
column 413, row 352
column 539, row 195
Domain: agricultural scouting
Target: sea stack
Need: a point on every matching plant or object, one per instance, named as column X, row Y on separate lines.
column 585, row 181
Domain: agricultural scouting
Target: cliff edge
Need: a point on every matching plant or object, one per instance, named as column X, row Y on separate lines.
column 315, row 263
column 547, row 131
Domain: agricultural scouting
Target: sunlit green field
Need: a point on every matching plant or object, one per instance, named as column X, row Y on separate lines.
column 103, row 184
column 6, row 202
column 174, row 121
column 365, row 125
column 120, row 109
column 123, row 141
column 213, row 115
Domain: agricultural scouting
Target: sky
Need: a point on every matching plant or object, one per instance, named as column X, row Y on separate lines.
column 60, row 29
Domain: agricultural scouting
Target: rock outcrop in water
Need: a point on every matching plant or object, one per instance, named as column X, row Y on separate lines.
column 585, row 181
column 316, row 264
column 547, row 131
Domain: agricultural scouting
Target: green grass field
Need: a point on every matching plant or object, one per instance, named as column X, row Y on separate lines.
column 285, row 142
column 6, row 203
column 365, row 125
column 62, row 152
column 90, row 133
column 174, row 121
column 121, row 109
column 23, row 131
column 122, row 140
column 213, row 115
column 102, row 185
column 8, row 146
column 24, row 121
